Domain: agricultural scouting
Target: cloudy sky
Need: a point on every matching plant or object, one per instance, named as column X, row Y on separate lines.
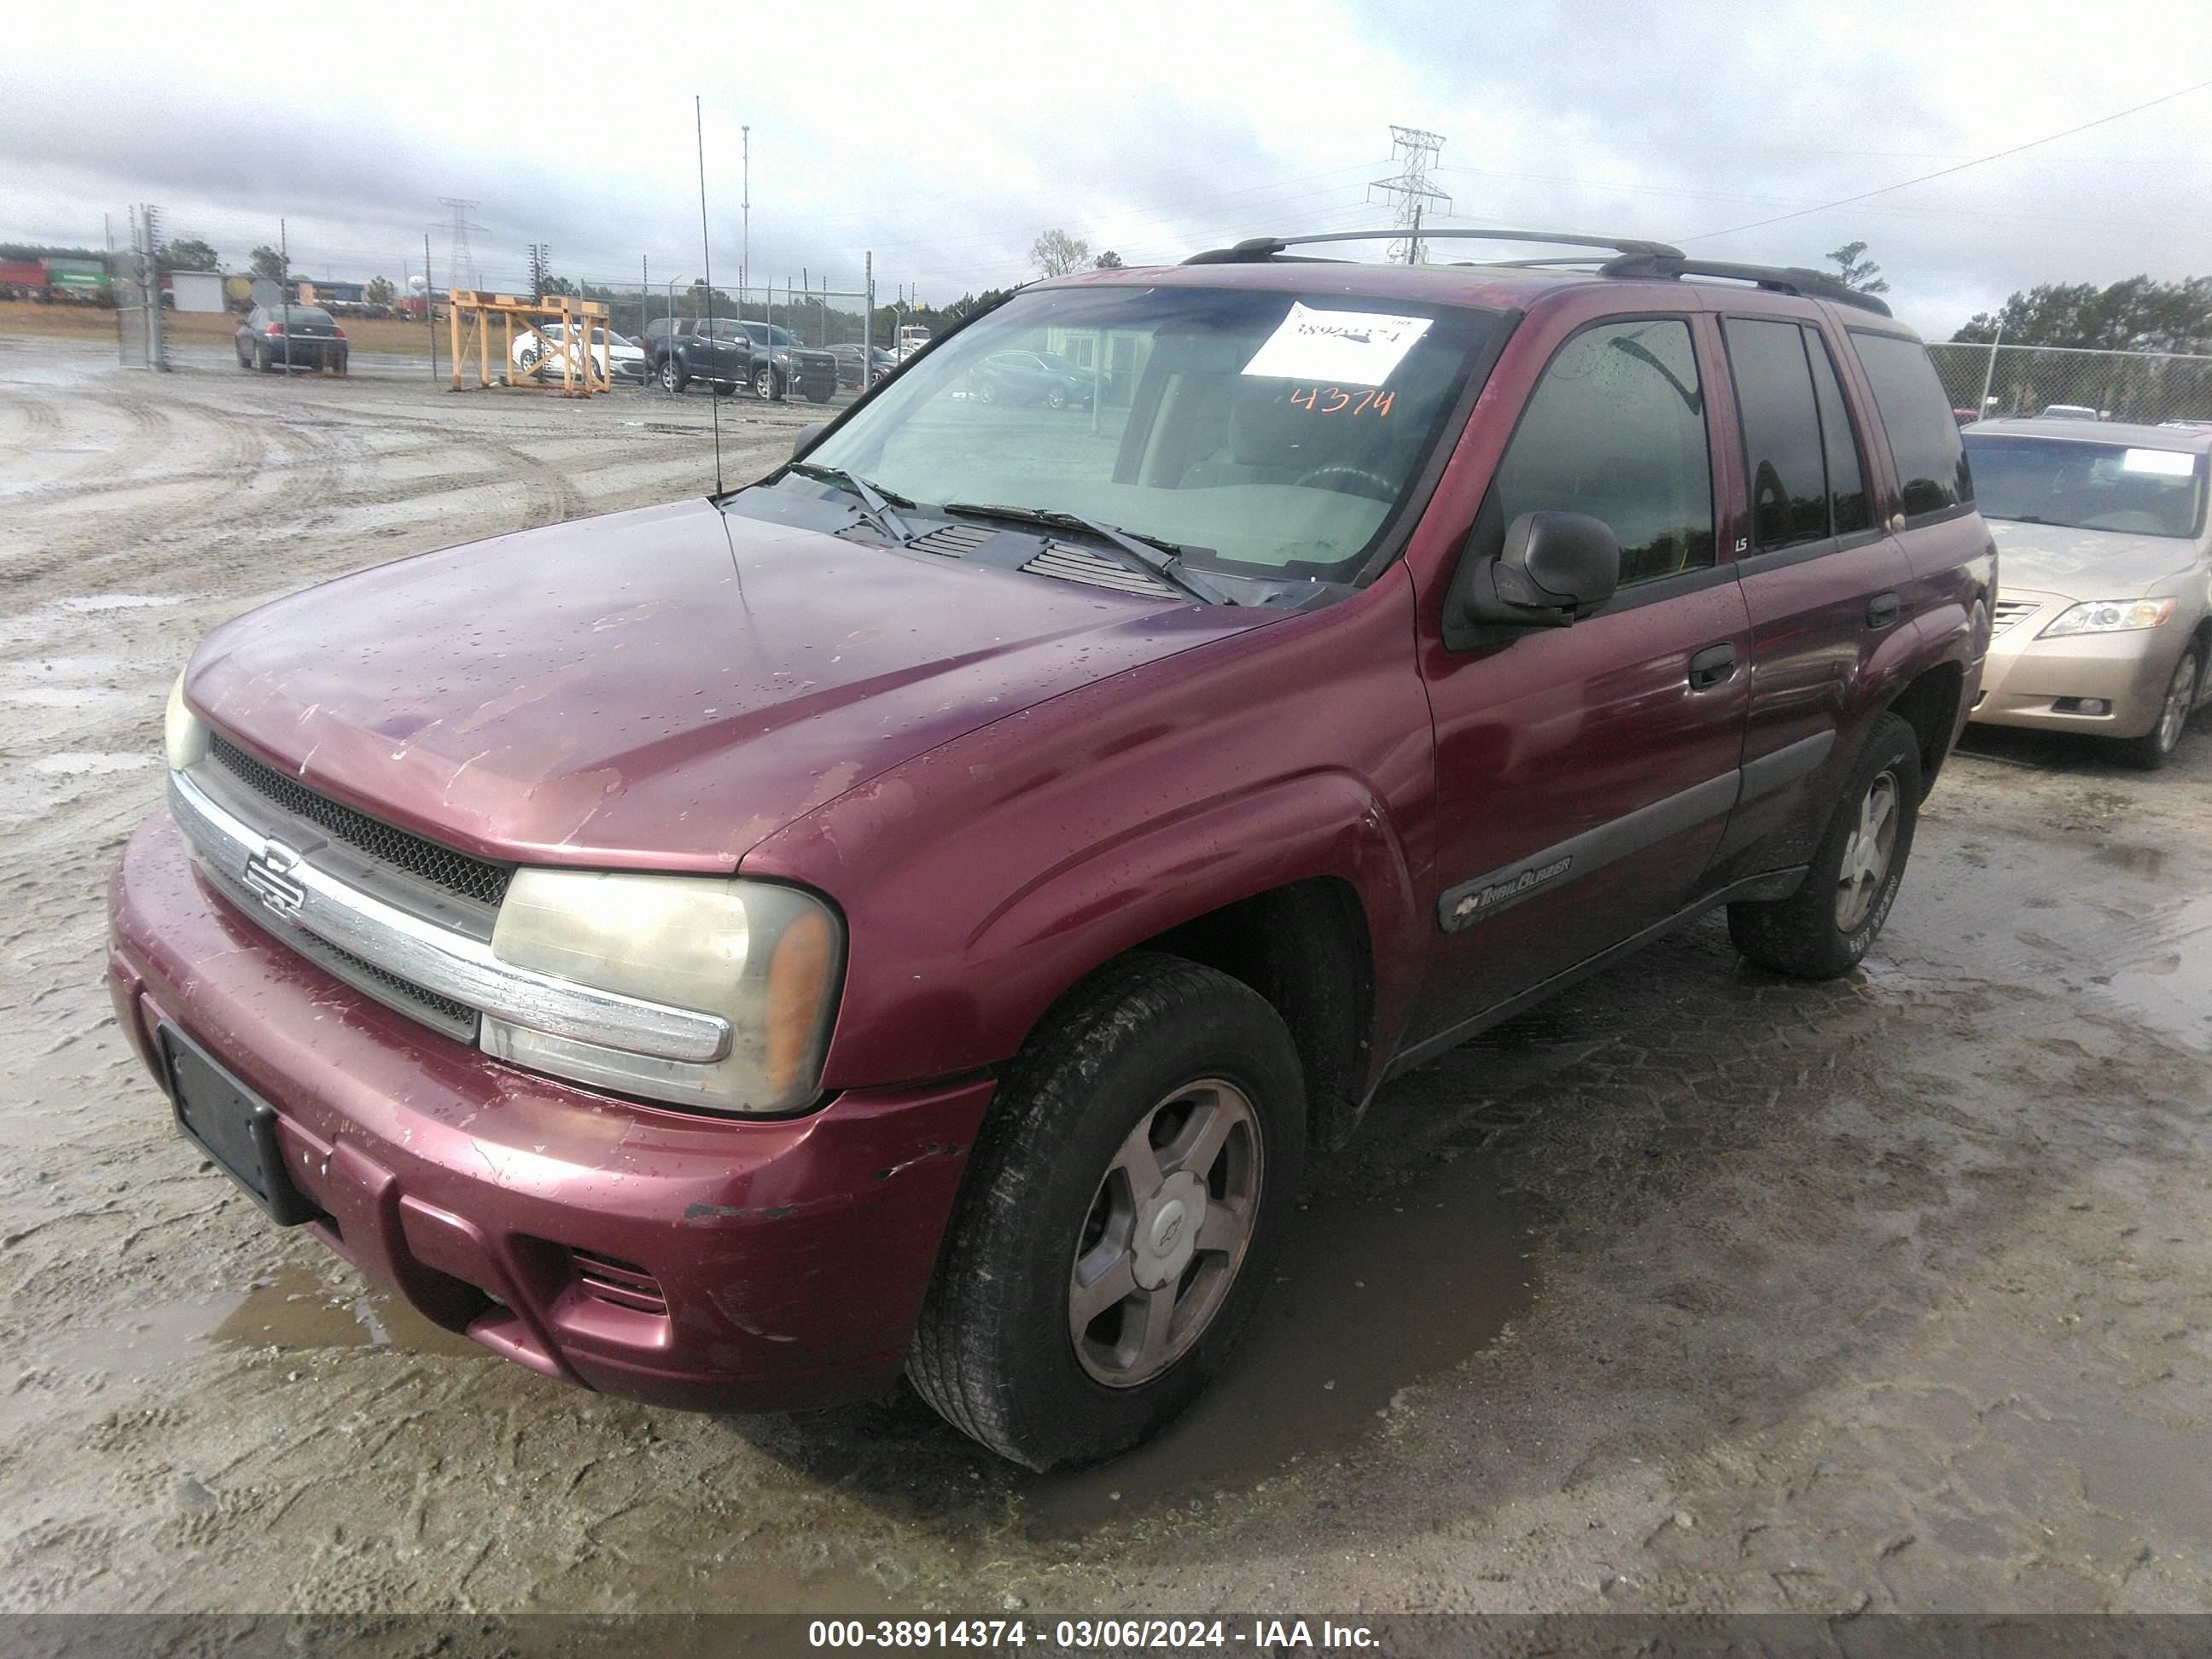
column 944, row 139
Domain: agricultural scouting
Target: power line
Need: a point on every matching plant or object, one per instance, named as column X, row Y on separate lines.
column 1944, row 172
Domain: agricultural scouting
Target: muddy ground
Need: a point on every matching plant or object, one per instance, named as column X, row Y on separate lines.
column 1693, row 1289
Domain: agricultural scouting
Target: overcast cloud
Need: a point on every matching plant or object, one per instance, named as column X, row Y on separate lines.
column 945, row 140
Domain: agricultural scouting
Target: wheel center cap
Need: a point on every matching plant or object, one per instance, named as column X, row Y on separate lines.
column 1167, row 1230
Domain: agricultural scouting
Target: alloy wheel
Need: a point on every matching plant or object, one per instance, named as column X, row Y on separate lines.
column 1867, row 853
column 2180, row 694
column 1166, row 1234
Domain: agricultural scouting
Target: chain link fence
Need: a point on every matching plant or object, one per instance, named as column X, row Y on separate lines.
column 2148, row 387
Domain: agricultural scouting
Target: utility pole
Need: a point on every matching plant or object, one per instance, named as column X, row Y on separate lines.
column 1989, row 374
column 541, row 255
column 745, row 216
column 868, row 326
column 429, row 307
column 284, row 291
column 1414, row 152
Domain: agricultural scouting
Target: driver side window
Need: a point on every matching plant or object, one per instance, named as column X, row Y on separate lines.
column 1616, row 429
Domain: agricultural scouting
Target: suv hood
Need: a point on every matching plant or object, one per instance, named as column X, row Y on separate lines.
column 660, row 689
column 2085, row 564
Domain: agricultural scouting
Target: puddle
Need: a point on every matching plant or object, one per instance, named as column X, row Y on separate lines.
column 86, row 603
column 2135, row 860
column 2169, row 985
column 87, row 763
column 296, row 1310
column 1374, row 1294
column 293, row 1309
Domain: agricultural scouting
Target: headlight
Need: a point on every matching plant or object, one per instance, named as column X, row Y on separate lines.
column 2108, row 616
column 184, row 734
column 765, row 958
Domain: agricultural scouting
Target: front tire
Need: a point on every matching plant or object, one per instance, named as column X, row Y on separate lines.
column 1120, row 1216
column 1824, row 929
column 2155, row 747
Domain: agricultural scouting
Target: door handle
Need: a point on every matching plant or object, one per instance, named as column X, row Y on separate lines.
column 1881, row 610
column 1712, row 666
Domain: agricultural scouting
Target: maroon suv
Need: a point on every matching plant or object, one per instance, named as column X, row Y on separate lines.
column 916, row 912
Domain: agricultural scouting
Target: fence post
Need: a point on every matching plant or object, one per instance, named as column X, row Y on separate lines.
column 1989, row 374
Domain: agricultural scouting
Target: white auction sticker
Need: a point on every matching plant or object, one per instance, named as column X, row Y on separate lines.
column 2165, row 463
column 1348, row 347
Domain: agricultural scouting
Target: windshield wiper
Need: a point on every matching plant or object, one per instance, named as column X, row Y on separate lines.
column 1161, row 557
column 878, row 505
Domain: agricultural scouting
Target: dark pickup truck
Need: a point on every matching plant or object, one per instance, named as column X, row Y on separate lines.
column 726, row 353
column 919, row 913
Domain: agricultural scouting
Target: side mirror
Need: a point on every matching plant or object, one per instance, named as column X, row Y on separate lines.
column 807, row 434
column 1553, row 568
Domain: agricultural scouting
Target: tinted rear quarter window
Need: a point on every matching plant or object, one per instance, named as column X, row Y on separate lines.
column 1847, row 491
column 1781, row 432
column 1916, row 418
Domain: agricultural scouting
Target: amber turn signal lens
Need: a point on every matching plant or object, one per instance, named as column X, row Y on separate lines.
column 798, row 979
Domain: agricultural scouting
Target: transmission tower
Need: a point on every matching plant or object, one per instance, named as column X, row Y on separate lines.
column 460, row 263
column 1414, row 152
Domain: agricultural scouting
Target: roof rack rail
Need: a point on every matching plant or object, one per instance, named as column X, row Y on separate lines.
column 1778, row 279
column 1255, row 249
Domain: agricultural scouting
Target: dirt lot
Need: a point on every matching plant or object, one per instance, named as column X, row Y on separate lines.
column 190, row 328
column 1694, row 1290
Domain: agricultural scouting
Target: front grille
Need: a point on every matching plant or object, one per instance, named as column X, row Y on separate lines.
column 624, row 1284
column 2006, row 612
column 439, row 1011
column 457, row 873
column 455, row 1018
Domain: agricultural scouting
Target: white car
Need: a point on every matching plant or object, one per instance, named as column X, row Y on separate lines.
column 533, row 355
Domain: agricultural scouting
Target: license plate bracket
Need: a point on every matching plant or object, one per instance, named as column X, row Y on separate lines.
column 232, row 1125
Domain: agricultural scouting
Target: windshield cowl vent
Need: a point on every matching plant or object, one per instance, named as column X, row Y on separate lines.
column 954, row 541
column 1078, row 564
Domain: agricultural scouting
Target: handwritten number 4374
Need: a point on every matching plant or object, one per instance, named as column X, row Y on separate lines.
column 1336, row 400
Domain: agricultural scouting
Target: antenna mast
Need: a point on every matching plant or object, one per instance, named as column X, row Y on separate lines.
column 707, row 256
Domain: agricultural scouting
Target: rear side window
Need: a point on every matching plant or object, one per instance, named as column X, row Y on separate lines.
column 1847, row 492
column 1616, row 428
column 1915, row 417
column 1787, row 469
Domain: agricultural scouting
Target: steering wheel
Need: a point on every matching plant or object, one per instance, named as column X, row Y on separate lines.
column 1381, row 489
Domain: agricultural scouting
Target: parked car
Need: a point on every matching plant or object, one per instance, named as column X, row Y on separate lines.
column 729, row 352
column 2070, row 412
column 274, row 337
column 534, row 355
column 881, row 363
column 929, row 904
column 2104, row 616
column 1030, row 377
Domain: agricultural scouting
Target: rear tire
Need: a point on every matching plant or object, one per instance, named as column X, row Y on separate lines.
column 1150, row 1132
column 262, row 361
column 1825, row 927
column 673, row 380
column 764, row 386
column 2155, row 747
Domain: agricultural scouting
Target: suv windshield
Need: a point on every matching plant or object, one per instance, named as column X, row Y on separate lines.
column 2088, row 486
column 1266, row 434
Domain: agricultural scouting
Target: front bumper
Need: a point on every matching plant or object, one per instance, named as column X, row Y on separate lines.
column 683, row 1260
column 2038, row 683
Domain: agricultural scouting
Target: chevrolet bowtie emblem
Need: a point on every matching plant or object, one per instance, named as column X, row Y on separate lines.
column 269, row 874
